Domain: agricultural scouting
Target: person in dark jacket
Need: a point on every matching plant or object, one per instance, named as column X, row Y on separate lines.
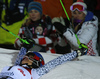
column 30, row 30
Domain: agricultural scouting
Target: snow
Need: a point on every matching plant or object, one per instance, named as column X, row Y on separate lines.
column 88, row 67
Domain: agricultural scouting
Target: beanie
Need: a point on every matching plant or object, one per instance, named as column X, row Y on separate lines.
column 36, row 6
column 81, row 2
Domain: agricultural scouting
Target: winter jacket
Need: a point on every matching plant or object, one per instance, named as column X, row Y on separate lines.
column 43, row 40
column 19, row 72
column 87, row 34
column 8, row 38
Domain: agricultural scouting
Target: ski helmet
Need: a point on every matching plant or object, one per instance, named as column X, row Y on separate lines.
column 37, row 59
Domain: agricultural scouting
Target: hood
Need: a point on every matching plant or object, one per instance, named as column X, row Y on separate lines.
column 89, row 16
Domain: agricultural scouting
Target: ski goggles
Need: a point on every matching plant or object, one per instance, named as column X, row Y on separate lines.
column 77, row 7
column 29, row 58
column 32, row 57
column 35, row 59
column 36, row 62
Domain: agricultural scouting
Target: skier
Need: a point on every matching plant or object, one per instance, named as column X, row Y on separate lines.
column 31, row 65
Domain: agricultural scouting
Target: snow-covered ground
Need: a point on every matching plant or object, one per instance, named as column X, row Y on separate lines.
column 88, row 67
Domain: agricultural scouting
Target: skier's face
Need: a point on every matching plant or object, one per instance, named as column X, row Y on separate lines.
column 78, row 15
column 34, row 15
column 27, row 59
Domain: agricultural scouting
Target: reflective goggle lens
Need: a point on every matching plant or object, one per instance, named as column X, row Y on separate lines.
column 78, row 7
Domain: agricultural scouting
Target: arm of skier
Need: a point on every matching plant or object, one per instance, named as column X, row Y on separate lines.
column 20, row 56
column 55, row 62
column 25, row 47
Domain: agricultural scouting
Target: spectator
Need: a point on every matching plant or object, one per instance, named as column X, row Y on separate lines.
column 62, row 46
column 91, row 4
column 15, row 9
column 84, row 24
column 30, row 29
column 32, row 65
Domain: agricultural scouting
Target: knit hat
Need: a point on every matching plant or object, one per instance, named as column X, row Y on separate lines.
column 81, row 2
column 36, row 6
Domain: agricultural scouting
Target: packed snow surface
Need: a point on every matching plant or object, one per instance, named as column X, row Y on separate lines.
column 88, row 67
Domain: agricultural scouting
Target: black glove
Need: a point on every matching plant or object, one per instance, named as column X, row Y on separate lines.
column 60, row 27
column 30, row 45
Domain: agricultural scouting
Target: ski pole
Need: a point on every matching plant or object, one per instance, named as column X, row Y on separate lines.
column 80, row 44
column 24, row 41
column 64, row 9
column 78, row 41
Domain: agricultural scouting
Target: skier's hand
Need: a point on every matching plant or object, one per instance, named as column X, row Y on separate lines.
column 82, row 51
column 30, row 45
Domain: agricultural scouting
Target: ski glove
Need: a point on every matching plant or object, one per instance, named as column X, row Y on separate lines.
column 60, row 27
column 30, row 45
column 82, row 51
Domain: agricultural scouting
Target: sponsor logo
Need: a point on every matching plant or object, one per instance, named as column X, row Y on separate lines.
column 21, row 71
